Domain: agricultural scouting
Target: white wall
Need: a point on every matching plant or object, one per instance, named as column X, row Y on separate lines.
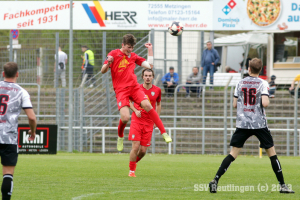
column 234, row 57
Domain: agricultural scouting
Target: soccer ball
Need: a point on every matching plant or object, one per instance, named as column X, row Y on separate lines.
column 175, row 28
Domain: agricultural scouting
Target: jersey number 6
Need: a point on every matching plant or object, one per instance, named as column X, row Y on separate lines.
column 3, row 103
column 249, row 97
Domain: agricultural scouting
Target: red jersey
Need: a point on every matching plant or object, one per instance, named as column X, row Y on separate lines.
column 154, row 95
column 122, row 69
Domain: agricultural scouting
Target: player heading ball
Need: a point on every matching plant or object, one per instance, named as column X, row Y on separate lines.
column 122, row 64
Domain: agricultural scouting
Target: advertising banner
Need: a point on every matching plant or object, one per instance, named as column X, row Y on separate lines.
column 45, row 141
column 105, row 15
column 256, row 15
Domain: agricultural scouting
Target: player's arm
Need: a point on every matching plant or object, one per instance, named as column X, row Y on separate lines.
column 235, row 102
column 158, row 108
column 265, row 94
column 265, row 101
column 27, row 107
column 148, row 64
column 32, row 122
column 136, row 111
column 106, row 66
column 235, row 95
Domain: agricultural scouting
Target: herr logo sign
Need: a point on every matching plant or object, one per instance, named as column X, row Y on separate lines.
column 45, row 141
column 97, row 15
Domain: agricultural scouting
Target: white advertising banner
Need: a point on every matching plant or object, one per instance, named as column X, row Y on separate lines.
column 105, row 15
column 256, row 15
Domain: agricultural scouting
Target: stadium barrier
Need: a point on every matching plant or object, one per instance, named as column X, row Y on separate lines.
column 207, row 111
column 173, row 136
column 288, row 130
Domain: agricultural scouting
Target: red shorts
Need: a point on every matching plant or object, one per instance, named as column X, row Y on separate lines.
column 133, row 93
column 141, row 132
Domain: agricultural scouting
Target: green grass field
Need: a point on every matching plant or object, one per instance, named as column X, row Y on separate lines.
column 77, row 176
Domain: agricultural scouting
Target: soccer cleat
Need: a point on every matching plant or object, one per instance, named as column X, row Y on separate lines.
column 284, row 189
column 213, row 185
column 131, row 174
column 167, row 137
column 120, row 143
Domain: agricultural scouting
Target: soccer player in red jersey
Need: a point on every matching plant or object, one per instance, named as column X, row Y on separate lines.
column 122, row 63
column 141, row 127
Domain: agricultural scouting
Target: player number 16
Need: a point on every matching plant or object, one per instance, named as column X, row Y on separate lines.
column 249, row 96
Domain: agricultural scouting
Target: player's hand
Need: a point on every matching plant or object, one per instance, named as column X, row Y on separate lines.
column 32, row 135
column 110, row 59
column 148, row 45
column 213, row 63
column 154, row 126
column 138, row 113
column 291, row 88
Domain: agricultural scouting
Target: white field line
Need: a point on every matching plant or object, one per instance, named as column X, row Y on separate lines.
column 115, row 192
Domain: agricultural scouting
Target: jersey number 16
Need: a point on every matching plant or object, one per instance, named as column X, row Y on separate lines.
column 249, row 97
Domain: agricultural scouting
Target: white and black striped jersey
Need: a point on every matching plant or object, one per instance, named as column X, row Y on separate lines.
column 250, row 111
column 13, row 98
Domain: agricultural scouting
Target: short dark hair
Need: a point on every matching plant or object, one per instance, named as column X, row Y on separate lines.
column 10, row 69
column 171, row 68
column 255, row 65
column 147, row 70
column 129, row 39
column 84, row 46
column 196, row 67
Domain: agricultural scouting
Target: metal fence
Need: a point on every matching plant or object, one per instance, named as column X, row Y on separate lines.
column 205, row 133
column 190, row 120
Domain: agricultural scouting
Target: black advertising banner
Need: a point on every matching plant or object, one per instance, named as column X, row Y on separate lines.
column 45, row 141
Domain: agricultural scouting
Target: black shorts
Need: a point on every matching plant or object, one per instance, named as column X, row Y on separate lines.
column 241, row 135
column 9, row 154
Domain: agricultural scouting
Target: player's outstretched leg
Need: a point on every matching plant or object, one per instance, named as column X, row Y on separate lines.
column 133, row 158
column 141, row 153
column 121, row 128
column 124, row 111
column 278, row 170
column 157, row 121
column 213, row 185
column 223, row 168
column 7, row 186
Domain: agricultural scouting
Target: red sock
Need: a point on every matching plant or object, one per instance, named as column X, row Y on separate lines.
column 138, row 159
column 155, row 118
column 132, row 166
column 121, row 128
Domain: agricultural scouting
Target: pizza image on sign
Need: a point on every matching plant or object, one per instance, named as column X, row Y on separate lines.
column 263, row 12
